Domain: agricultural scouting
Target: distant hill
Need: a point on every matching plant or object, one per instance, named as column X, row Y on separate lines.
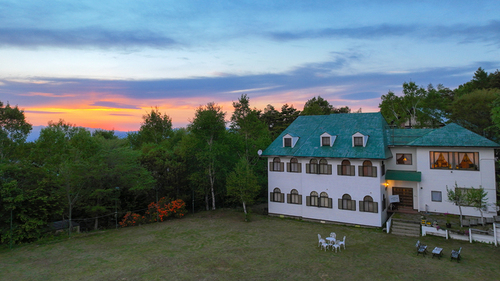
column 35, row 133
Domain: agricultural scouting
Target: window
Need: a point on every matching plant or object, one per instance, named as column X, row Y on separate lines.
column 312, row 167
column 324, row 168
column 384, row 202
column 325, row 141
column 277, row 196
column 454, row 160
column 345, row 203
column 276, row 165
column 367, row 170
column 345, row 169
column 403, row 159
column 324, row 201
column 382, row 168
column 367, row 205
column 467, row 161
column 294, row 197
column 288, row 142
column 294, row 166
column 436, row 196
column 358, row 141
column 312, row 200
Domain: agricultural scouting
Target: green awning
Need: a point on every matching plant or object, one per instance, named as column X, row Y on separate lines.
column 403, row 175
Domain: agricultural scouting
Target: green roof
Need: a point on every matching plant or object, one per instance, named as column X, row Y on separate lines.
column 403, row 175
column 452, row 135
column 308, row 129
column 344, row 126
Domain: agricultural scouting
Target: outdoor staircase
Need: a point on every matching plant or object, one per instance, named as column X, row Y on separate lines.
column 405, row 228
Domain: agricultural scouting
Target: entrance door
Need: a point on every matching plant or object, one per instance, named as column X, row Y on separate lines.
column 405, row 196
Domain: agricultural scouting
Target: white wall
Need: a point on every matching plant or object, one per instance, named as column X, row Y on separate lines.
column 438, row 180
column 335, row 186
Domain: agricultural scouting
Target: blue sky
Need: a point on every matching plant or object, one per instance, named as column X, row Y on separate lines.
column 106, row 63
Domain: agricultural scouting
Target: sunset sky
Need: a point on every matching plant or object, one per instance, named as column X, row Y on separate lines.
column 104, row 64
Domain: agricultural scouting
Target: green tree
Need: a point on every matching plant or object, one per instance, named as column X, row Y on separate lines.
column 278, row 121
column 320, row 106
column 14, row 130
column 476, row 197
column 155, row 128
column 458, row 198
column 243, row 184
column 473, row 111
column 208, row 132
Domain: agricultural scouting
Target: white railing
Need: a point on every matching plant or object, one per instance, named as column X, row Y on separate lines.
column 472, row 235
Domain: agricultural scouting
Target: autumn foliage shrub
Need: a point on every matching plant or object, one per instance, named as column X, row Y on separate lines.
column 156, row 211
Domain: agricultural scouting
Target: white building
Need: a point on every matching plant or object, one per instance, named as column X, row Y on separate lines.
column 343, row 168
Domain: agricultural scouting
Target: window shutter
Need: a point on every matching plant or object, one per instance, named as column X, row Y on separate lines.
column 353, row 169
column 282, row 167
column 270, row 166
column 361, row 206
column 308, row 200
column 330, row 204
column 288, row 198
column 374, row 171
column 288, row 167
column 339, row 170
column 308, row 168
column 340, row 203
column 329, row 167
column 375, row 207
column 299, row 165
column 353, row 205
column 300, row 199
column 271, row 198
column 360, row 171
column 282, row 197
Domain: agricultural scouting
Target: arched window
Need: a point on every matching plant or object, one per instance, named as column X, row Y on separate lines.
column 294, row 166
column 345, row 203
column 367, row 205
column 312, row 167
column 294, row 197
column 345, row 169
column 324, row 168
column 277, row 196
column 276, row 165
column 312, row 200
column 367, row 170
column 324, row 201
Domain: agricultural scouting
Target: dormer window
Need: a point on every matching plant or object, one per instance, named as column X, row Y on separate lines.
column 327, row 139
column 359, row 139
column 289, row 140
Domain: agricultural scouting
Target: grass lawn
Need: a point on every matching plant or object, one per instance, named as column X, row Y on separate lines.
column 219, row 245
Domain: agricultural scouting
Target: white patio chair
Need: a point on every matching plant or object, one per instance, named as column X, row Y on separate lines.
column 332, row 234
column 341, row 242
column 320, row 240
column 336, row 246
column 324, row 245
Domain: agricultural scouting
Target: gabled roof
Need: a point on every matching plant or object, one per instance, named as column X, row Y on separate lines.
column 344, row 125
column 451, row 135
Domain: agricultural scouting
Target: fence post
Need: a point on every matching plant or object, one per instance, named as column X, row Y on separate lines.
column 495, row 233
column 470, row 235
column 447, row 234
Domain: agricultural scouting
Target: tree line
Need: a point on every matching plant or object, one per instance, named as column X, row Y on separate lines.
column 71, row 174
column 474, row 105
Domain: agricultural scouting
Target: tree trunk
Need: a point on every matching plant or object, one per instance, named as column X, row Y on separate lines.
column 244, row 207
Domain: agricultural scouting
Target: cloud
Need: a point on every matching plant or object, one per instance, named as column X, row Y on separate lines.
column 489, row 32
column 114, row 105
column 82, row 37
